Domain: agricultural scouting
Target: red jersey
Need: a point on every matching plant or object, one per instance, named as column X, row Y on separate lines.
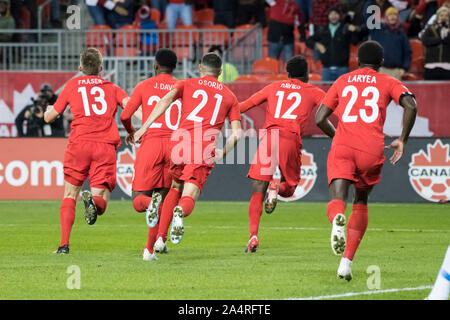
column 206, row 104
column 360, row 99
column 289, row 104
column 147, row 93
column 93, row 102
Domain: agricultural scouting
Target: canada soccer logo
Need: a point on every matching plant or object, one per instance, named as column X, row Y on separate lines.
column 125, row 171
column 308, row 176
column 429, row 173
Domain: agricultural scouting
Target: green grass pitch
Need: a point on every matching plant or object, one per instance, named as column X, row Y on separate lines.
column 406, row 241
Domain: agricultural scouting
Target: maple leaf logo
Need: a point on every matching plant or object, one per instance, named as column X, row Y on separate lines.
column 125, row 170
column 308, row 177
column 429, row 172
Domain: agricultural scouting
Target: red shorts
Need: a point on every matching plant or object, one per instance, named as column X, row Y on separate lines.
column 151, row 168
column 286, row 153
column 363, row 168
column 96, row 160
column 190, row 173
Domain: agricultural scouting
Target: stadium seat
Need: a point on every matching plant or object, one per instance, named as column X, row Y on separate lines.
column 203, row 18
column 354, row 50
column 99, row 37
column 247, row 78
column 410, row 77
column 417, row 49
column 315, row 77
column 273, row 77
column 219, row 37
column 126, row 43
column 244, row 50
column 353, row 63
column 182, row 41
column 266, row 65
column 314, row 66
column 299, row 47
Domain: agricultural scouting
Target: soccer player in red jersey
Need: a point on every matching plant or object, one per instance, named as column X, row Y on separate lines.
column 151, row 180
column 91, row 151
column 289, row 104
column 359, row 99
column 206, row 103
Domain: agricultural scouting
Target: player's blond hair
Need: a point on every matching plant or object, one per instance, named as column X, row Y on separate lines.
column 91, row 61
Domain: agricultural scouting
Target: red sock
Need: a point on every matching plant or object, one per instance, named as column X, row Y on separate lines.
column 286, row 190
column 254, row 212
column 357, row 225
column 67, row 215
column 170, row 202
column 141, row 202
column 188, row 204
column 335, row 207
column 100, row 203
column 152, row 234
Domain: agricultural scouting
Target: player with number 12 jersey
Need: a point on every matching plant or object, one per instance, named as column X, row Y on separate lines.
column 93, row 141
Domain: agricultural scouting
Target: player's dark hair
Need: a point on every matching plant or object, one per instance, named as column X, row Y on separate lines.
column 371, row 53
column 91, row 61
column 297, row 67
column 166, row 58
column 212, row 60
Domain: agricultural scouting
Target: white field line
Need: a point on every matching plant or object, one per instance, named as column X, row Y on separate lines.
column 262, row 227
column 353, row 294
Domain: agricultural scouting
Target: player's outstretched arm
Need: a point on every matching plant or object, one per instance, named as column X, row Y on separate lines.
column 236, row 134
column 409, row 118
column 322, row 121
column 50, row 114
column 158, row 111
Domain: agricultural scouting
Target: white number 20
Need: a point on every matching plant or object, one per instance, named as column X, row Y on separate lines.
column 372, row 103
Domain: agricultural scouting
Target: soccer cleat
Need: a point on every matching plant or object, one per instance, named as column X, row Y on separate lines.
column 272, row 197
column 345, row 269
column 151, row 214
column 160, row 246
column 147, row 256
column 90, row 214
column 62, row 250
column 177, row 231
column 338, row 234
column 252, row 245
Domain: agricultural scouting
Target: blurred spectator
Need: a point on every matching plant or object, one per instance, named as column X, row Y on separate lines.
column 101, row 9
column 333, row 42
column 320, row 8
column 436, row 40
column 33, row 115
column 284, row 16
column 249, row 10
column 55, row 14
column 403, row 8
column 305, row 9
column 176, row 9
column 392, row 37
column 149, row 40
column 353, row 10
column 121, row 15
column 382, row 4
column 6, row 21
column 229, row 71
column 432, row 20
column 16, row 12
column 225, row 12
column 159, row 5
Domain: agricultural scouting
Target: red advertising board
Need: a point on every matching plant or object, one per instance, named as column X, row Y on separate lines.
column 32, row 168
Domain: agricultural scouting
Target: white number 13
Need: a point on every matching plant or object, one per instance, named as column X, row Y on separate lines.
column 100, row 98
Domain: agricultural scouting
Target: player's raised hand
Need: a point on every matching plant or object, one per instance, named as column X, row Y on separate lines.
column 129, row 140
column 398, row 147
